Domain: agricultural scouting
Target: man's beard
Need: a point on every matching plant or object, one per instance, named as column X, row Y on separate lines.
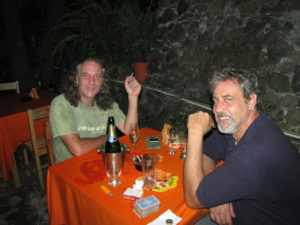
column 232, row 128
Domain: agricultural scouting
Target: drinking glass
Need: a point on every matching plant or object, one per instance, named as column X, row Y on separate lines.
column 113, row 167
column 133, row 134
column 149, row 169
column 172, row 136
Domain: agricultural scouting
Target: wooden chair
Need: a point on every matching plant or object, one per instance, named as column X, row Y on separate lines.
column 37, row 146
column 49, row 142
column 10, row 86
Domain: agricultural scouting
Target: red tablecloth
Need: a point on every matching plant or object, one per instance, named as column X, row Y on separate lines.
column 74, row 195
column 14, row 126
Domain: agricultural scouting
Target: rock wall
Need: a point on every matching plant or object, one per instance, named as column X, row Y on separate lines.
column 194, row 38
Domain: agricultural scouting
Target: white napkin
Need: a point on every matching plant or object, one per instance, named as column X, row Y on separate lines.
column 163, row 217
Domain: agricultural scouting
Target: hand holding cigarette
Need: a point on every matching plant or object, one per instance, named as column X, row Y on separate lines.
column 133, row 87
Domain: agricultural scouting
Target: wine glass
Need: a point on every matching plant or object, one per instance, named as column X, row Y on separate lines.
column 133, row 134
column 113, row 168
column 172, row 136
column 183, row 154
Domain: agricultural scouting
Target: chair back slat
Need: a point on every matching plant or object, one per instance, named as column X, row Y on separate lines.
column 33, row 115
column 39, row 113
column 38, row 145
column 49, row 142
column 10, row 86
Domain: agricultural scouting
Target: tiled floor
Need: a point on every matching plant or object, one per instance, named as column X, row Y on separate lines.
column 23, row 206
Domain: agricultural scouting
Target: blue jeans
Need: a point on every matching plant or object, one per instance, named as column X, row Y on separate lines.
column 205, row 221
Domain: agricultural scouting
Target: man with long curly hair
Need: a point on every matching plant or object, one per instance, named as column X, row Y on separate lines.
column 78, row 118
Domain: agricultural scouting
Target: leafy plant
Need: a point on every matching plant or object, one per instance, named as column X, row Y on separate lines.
column 118, row 32
column 136, row 29
column 85, row 31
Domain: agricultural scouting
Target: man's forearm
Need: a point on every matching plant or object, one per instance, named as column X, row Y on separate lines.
column 79, row 146
column 193, row 170
column 88, row 144
column 132, row 114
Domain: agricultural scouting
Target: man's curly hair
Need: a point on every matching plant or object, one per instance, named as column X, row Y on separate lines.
column 103, row 99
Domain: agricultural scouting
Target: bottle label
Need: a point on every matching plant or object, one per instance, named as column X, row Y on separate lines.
column 111, row 139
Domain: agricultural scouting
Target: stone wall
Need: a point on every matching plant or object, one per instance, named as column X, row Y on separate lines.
column 194, row 38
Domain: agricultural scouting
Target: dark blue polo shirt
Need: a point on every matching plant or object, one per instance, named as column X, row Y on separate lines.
column 260, row 175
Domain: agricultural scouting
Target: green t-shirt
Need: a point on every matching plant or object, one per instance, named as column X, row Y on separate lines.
column 87, row 121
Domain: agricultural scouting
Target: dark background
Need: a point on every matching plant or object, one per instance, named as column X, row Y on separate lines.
column 33, row 36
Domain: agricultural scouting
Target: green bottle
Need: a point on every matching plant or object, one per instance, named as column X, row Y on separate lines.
column 112, row 144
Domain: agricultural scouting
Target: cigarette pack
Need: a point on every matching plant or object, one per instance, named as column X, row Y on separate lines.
column 132, row 194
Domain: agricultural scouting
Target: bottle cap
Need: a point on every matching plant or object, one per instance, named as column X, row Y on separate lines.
column 169, row 221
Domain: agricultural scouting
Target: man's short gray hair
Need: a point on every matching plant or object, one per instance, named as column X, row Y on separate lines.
column 246, row 79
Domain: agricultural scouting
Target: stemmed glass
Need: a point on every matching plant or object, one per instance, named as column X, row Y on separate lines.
column 172, row 136
column 134, row 134
column 113, row 167
column 183, row 154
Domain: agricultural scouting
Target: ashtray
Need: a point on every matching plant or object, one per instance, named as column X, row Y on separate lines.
column 137, row 163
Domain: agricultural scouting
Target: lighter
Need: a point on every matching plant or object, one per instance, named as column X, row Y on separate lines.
column 106, row 190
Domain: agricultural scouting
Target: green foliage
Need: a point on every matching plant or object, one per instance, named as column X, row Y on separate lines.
column 119, row 33
column 85, row 31
column 136, row 28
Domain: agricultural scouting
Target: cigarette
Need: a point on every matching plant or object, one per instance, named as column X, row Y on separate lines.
column 131, row 75
column 106, row 190
column 138, row 158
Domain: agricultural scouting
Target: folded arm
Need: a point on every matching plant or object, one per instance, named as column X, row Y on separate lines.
column 79, row 146
column 196, row 165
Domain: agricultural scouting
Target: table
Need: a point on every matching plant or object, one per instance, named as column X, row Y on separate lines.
column 74, row 195
column 14, row 127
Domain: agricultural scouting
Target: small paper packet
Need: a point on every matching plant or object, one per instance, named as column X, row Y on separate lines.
column 165, row 216
column 151, row 144
column 132, row 194
column 136, row 192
